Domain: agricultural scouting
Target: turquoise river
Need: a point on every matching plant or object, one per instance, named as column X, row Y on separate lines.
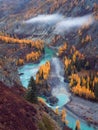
column 30, row 69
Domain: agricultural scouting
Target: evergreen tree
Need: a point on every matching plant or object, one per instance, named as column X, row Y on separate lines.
column 42, row 76
column 31, row 94
column 96, row 90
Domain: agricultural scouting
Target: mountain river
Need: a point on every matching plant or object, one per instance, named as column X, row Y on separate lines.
column 60, row 87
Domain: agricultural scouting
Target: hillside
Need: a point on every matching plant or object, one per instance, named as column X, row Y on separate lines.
column 46, row 6
column 12, row 22
column 55, row 42
column 19, row 114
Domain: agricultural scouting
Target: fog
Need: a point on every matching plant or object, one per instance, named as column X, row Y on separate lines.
column 62, row 23
column 68, row 24
column 46, row 19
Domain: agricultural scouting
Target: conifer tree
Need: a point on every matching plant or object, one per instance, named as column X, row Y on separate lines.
column 96, row 90
column 31, row 94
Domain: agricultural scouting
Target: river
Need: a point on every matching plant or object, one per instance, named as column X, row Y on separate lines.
column 59, row 86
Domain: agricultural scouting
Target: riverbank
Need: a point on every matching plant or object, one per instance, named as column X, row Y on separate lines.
column 58, row 86
column 84, row 109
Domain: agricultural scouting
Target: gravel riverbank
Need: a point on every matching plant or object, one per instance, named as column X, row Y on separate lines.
column 84, row 109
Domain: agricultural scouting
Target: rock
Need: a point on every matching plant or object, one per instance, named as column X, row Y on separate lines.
column 8, row 72
column 47, row 93
column 66, row 80
column 21, row 74
column 52, row 100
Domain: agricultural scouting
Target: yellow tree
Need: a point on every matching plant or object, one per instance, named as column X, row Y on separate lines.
column 56, row 111
column 77, row 125
column 63, row 115
column 20, row 61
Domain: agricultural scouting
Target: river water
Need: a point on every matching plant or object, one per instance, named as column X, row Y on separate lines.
column 59, row 86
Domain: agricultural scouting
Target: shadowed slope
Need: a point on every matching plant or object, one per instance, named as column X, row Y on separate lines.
column 18, row 114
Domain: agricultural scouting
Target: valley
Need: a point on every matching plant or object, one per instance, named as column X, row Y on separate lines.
column 75, row 106
column 49, row 65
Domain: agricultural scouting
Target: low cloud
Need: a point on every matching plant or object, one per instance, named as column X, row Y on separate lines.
column 68, row 24
column 62, row 23
column 46, row 19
